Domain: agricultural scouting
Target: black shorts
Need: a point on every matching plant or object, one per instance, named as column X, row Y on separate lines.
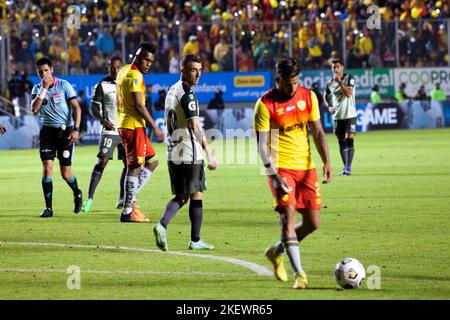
column 341, row 127
column 187, row 178
column 108, row 144
column 54, row 141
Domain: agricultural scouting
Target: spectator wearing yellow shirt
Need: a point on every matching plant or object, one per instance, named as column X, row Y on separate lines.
column 365, row 47
column 303, row 36
column 221, row 49
column 192, row 46
column 74, row 52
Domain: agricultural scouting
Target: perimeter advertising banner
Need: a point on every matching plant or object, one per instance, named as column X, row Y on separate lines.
column 428, row 77
column 365, row 79
column 236, row 86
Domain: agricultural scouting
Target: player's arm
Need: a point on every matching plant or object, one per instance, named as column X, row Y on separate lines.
column 320, row 138
column 98, row 109
column 347, row 88
column 75, row 134
column 200, row 135
column 142, row 110
column 261, row 124
column 40, row 95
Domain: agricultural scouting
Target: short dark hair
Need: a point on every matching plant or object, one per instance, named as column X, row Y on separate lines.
column 115, row 58
column 147, row 46
column 287, row 68
column 337, row 60
column 190, row 58
column 43, row 61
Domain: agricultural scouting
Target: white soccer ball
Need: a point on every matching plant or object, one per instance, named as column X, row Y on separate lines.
column 349, row 273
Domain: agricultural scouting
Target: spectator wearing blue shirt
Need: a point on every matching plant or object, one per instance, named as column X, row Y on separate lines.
column 105, row 41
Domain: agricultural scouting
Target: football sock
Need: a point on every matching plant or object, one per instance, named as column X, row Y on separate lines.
column 122, row 182
column 95, row 179
column 293, row 252
column 343, row 149
column 47, row 187
column 73, row 184
column 279, row 248
column 131, row 184
column 351, row 151
column 172, row 208
column 196, row 217
column 144, row 175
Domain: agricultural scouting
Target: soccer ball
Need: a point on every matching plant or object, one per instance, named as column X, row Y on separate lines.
column 349, row 273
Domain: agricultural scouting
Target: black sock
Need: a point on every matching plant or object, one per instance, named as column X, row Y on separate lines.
column 351, row 151
column 95, row 179
column 47, row 187
column 73, row 184
column 122, row 183
column 343, row 148
column 196, row 217
column 172, row 208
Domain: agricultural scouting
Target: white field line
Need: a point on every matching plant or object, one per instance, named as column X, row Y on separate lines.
column 256, row 268
column 124, row 272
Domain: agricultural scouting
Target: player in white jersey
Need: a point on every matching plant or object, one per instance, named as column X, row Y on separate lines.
column 104, row 109
column 339, row 97
column 186, row 142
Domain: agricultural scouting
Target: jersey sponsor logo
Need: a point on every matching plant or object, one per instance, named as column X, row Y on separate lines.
column 301, row 105
column 297, row 126
column 290, row 108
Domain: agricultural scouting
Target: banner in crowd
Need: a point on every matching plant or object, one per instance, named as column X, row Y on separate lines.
column 236, row 86
column 428, row 77
column 365, row 79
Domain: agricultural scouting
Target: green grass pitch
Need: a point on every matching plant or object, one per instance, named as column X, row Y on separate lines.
column 392, row 213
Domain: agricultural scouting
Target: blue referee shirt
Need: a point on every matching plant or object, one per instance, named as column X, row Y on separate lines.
column 55, row 110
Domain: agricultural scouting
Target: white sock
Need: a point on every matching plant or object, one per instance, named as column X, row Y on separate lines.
column 131, row 184
column 144, row 176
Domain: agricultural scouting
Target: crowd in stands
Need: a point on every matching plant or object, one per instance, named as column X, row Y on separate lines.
column 229, row 35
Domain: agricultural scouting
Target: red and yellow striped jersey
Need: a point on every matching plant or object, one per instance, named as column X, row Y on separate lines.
column 287, row 120
column 129, row 80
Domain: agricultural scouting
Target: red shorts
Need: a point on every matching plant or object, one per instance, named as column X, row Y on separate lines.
column 137, row 145
column 305, row 189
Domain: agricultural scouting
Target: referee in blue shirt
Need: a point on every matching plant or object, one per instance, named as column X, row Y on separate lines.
column 54, row 100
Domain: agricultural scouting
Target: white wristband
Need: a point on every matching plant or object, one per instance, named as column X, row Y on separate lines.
column 42, row 93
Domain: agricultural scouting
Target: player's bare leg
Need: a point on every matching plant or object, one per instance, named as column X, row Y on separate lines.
column 310, row 222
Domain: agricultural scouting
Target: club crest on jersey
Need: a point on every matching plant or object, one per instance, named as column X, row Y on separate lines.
column 191, row 96
column 301, row 105
column 280, row 111
column 136, row 81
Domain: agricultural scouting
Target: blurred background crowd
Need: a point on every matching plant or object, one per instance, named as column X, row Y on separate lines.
column 229, row 35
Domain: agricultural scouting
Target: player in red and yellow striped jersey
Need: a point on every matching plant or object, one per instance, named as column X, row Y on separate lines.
column 282, row 116
column 132, row 116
